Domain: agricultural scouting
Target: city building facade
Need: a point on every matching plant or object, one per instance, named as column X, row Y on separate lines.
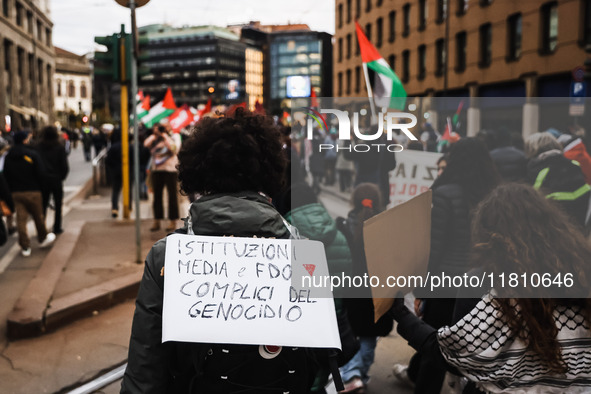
column 72, row 85
column 470, row 49
column 197, row 63
column 27, row 64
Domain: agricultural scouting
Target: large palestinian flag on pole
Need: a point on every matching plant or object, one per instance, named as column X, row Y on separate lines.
column 387, row 90
column 162, row 110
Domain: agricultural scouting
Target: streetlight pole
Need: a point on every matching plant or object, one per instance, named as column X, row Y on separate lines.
column 136, row 148
column 132, row 5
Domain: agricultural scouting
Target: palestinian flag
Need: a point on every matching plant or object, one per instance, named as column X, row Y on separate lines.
column 181, row 118
column 387, row 90
column 162, row 110
column 143, row 107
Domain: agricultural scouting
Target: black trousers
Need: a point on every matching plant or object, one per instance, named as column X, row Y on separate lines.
column 422, row 369
column 160, row 180
column 54, row 187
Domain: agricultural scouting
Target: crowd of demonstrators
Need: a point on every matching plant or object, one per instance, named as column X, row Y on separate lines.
column 366, row 202
column 25, row 175
column 163, row 150
column 516, row 345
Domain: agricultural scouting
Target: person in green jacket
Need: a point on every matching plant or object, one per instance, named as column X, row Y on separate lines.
column 313, row 222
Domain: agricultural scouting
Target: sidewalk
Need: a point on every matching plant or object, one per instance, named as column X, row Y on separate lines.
column 102, row 251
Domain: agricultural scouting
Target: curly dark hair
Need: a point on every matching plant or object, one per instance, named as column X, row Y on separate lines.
column 516, row 230
column 232, row 154
column 470, row 165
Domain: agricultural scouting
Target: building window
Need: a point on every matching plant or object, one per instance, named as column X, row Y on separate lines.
column 340, row 16
column 340, row 50
column 441, row 10
column 348, row 81
column 30, row 22
column 549, row 22
column 58, row 91
column 514, row 37
column 379, row 31
column 39, row 31
column 368, row 31
column 422, row 14
column 392, row 62
column 392, row 26
column 19, row 14
column 462, row 7
column 405, row 66
column 461, row 51
column 357, row 79
column 340, row 84
column 7, row 55
column 348, row 46
column 485, row 45
column 48, row 37
column 422, row 57
column 440, row 57
column 40, row 71
column 349, row 11
column 406, row 20
column 20, row 57
column 71, row 89
column 358, row 9
column 367, row 5
column 83, row 92
column 31, row 68
column 484, row 3
column 5, row 9
column 587, row 23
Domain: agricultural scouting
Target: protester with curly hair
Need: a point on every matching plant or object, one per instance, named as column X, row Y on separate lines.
column 235, row 163
column 518, row 344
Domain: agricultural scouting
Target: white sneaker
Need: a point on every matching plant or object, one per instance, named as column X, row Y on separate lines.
column 400, row 372
column 26, row 252
column 49, row 238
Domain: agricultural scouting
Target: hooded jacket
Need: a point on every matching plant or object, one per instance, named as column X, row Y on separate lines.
column 23, row 169
column 561, row 180
column 156, row 367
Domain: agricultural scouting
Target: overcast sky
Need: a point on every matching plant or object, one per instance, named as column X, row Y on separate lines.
column 77, row 22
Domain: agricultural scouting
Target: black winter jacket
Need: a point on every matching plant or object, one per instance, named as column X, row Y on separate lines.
column 511, row 163
column 158, row 368
column 450, row 233
column 23, row 169
column 55, row 160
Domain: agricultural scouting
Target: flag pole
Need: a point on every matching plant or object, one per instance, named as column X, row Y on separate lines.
column 370, row 94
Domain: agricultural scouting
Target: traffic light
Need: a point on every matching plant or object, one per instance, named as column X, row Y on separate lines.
column 107, row 63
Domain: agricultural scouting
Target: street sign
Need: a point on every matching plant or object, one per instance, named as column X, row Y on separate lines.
column 578, row 92
column 138, row 3
column 578, row 74
column 576, row 109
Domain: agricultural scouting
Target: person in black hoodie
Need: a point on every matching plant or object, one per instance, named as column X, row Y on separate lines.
column 510, row 161
column 469, row 176
column 55, row 161
column 24, row 173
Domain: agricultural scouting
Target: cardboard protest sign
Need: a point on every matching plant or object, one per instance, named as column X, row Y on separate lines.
column 397, row 244
column 239, row 290
column 414, row 174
